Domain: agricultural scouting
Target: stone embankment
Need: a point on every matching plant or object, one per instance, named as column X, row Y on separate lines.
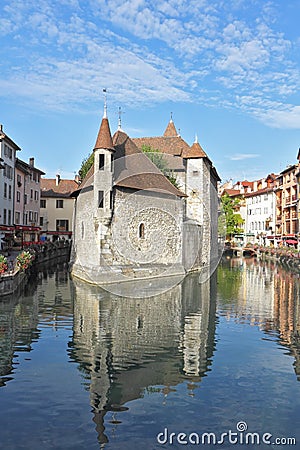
column 286, row 256
column 17, row 272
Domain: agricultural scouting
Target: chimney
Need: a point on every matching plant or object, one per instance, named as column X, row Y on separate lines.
column 1, row 127
column 31, row 162
column 77, row 179
column 57, row 179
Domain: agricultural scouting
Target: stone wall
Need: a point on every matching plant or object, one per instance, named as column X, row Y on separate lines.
column 214, row 217
column 86, row 234
column 10, row 283
column 192, row 244
column 146, row 228
column 143, row 238
column 206, row 242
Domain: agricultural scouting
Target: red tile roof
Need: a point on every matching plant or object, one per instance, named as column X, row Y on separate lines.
column 133, row 169
column 232, row 192
column 104, row 139
column 136, row 171
column 247, row 183
column 170, row 131
column 195, row 151
column 63, row 189
column 171, row 145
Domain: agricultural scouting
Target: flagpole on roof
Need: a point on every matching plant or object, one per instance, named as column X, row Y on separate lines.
column 105, row 104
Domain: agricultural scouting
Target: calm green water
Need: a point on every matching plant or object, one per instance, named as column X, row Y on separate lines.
column 83, row 369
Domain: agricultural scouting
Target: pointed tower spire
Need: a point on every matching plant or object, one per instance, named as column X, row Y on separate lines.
column 171, row 131
column 195, row 151
column 104, row 139
column 120, row 112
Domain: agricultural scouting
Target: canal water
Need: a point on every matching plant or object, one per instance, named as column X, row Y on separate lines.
column 211, row 365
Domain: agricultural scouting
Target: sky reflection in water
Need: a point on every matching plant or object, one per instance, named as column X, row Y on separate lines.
column 83, row 369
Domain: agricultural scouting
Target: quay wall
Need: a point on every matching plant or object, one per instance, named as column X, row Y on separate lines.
column 11, row 281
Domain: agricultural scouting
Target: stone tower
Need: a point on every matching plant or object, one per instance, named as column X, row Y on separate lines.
column 103, row 173
column 198, row 188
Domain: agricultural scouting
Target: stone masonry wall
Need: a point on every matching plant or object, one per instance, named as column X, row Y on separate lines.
column 146, row 228
column 144, row 235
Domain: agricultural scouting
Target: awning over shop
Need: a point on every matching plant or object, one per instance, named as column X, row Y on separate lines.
column 7, row 228
column 26, row 228
column 291, row 241
column 58, row 233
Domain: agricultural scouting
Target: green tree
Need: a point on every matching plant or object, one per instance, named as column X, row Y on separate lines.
column 233, row 220
column 159, row 160
column 86, row 164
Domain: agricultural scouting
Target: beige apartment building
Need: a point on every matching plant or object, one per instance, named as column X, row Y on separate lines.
column 56, row 208
column 287, row 221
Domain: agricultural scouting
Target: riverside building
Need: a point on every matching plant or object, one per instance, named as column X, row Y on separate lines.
column 131, row 222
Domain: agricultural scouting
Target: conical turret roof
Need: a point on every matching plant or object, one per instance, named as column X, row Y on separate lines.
column 195, row 151
column 170, row 131
column 104, row 139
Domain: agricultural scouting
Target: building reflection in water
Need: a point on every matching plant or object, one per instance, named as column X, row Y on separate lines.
column 287, row 312
column 125, row 346
column 18, row 329
column 22, row 313
column 264, row 294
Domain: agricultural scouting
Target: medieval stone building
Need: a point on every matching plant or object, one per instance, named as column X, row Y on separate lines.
column 197, row 178
column 131, row 222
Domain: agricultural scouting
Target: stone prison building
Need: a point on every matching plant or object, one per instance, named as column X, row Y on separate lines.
column 131, row 222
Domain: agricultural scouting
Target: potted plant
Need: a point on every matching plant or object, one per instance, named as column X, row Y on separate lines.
column 24, row 260
column 3, row 264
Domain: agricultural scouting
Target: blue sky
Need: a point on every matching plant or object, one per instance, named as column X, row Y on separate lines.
column 228, row 70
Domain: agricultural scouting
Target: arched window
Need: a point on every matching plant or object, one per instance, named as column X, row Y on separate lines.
column 142, row 230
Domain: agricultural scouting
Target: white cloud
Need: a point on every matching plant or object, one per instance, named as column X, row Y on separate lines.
column 272, row 113
column 151, row 51
column 58, row 83
column 286, row 117
column 242, row 156
column 6, row 26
